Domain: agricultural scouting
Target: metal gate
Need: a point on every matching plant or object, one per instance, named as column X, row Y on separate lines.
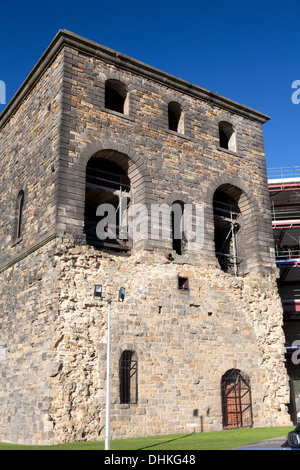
column 236, row 400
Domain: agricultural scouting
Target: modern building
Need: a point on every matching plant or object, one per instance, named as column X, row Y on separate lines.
column 116, row 174
column 284, row 186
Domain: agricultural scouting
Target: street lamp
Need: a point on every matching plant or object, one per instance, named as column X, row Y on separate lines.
column 107, row 416
column 98, row 293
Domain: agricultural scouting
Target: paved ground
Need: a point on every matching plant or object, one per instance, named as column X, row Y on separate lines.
column 272, row 444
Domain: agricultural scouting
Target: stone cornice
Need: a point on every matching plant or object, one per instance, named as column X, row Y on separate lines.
column 67, row 38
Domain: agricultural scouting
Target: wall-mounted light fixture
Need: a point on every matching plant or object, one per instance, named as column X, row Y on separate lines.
column 98, row 290
column 121, row 294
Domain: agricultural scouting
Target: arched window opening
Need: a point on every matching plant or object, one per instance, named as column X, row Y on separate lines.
column 227, row 136
column 116, row 96
column 106, row 205
column 19, row 215
column 177, row 228
column 128, row 370
column 175, row 117
column 236, row 400
column 227, row 224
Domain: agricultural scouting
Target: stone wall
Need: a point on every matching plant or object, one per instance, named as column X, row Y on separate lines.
column 159, row 162
column 29, row 309
column 184, row 341
column 29, row 145
column 53, row 331
column 53, row 336
column 29, row 142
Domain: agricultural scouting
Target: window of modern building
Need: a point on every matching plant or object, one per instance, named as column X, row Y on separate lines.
column 128, row 370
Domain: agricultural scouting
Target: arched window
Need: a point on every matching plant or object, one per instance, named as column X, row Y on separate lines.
column 227, row 225
column 175, row 117
column 106, row 205
column 116, row 96
column 236, row 400
column 227, row 136
column 234, row 219
column 177, row 228
column 128, row 371
column 19, row 215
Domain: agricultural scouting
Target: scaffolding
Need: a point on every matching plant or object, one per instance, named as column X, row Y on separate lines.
column 290, row 298
column 286, row 222
column 226, row 215
column 284, row 178
column 104, row 186
column 284, row 189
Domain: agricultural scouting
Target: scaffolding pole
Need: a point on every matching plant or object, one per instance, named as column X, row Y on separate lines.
column 231, row 232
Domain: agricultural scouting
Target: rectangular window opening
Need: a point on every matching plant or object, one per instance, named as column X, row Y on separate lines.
column 183, row 283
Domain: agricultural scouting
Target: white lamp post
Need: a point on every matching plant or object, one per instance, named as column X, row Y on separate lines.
column 98, row 293
column 107, row 417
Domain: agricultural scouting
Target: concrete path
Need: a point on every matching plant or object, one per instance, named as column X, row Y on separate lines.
column 268, row 444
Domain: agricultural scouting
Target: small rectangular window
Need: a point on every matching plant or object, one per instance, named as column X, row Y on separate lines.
column 183, row 283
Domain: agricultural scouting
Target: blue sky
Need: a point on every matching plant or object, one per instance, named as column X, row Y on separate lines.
column 247, row 51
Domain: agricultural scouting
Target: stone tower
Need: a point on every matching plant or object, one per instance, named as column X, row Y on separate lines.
column 197, row 343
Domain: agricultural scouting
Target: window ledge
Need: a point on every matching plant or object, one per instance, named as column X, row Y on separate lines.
column 126, row 406
column 116, row 113
column 231, row 152
column 178, row 134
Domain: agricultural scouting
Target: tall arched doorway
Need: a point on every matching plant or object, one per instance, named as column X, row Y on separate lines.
column 236, row 400
column 227, row 225
column 234, row 234
column 107, row 186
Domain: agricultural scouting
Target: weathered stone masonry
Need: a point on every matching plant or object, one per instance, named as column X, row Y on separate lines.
column 53, row 329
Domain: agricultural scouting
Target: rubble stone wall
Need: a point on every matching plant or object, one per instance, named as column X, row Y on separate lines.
column 29, row 310
column 184, row 342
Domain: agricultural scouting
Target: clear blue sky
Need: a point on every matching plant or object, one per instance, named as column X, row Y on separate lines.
column 247, row 51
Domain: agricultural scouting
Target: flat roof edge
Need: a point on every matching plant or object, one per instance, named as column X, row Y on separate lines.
column 295, row 179
column 67, row 38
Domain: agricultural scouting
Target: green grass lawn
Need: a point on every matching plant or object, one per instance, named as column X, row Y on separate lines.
column 220, row 440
